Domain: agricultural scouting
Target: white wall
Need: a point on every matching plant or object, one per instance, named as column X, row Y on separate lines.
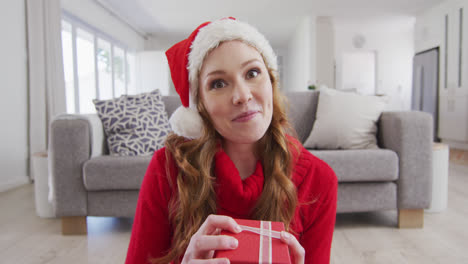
column 453, row 98
column 155, row 45
column 301, row 57
column 13, row 102
column 162, row 42
column 153, row 71
column 325, row 52
column 393, row 40
column 100, row 18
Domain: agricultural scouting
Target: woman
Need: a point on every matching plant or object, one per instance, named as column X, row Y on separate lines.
column 230, row 157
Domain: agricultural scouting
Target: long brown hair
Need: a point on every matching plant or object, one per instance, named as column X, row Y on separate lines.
column 195, row 197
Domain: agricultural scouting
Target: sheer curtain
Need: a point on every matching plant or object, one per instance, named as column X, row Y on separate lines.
column 46, row 81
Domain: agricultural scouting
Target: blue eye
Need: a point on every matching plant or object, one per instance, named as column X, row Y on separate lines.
column 253, row 73
column 217, row 84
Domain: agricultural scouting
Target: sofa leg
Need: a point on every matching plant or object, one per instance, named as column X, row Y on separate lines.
column 410, row 218
column 74, row 225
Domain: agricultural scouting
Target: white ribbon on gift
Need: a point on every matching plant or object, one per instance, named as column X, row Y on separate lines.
column 266, row 235
column 264, row 251
column 256, row 230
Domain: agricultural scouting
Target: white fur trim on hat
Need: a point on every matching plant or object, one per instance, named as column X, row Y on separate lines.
column 210, row 36
column 186, row 122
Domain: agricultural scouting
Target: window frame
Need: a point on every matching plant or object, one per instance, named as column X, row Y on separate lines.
column 75, row 23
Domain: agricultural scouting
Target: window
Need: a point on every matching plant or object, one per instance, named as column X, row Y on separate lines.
column 67, row 50
column 119, row 71
column 85, row 68
column 131, row 62
column 95, row 66
column 104, row 61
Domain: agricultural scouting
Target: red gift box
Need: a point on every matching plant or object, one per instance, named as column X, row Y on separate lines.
column 256, row 248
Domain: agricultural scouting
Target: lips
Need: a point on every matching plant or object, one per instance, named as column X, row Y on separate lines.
column 246, row 116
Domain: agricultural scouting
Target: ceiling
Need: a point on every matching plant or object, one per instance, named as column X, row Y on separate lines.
column 277, row 19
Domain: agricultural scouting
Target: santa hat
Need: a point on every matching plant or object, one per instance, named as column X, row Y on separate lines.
column 186, row 58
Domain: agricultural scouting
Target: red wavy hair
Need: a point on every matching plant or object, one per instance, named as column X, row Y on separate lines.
column 196, row 197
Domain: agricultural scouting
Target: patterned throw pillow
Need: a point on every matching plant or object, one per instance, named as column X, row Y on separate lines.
column 135, row 125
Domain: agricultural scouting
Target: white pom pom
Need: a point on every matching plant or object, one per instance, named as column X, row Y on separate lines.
column 186, row 122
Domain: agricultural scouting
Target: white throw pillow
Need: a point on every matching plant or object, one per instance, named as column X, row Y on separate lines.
column 345, row 121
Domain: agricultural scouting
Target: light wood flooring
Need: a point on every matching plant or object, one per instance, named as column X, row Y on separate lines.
column 458, row 156
column 358, row 238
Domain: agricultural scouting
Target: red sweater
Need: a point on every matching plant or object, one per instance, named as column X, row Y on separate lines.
column 313, row 222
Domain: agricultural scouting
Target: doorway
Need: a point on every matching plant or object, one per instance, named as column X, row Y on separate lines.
column 425, row 96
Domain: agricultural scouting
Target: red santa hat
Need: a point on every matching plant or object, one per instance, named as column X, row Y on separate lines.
column 186, row 59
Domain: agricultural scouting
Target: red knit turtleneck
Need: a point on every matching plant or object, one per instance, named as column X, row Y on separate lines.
column 313, row 222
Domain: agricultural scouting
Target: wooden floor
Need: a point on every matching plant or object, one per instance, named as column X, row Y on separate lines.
column 358, row 238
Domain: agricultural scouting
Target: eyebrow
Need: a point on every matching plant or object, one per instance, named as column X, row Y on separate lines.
column 250, row 61
column 242, row 65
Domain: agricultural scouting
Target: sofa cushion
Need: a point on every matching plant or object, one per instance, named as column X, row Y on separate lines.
column 134, row 124
column 345, row 121
column 366, row 196
column 115, row 172
column 361, row 165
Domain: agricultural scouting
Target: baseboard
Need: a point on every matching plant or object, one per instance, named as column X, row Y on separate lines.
column 13, row 183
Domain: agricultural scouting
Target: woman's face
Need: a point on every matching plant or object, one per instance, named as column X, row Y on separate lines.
column 237, row 93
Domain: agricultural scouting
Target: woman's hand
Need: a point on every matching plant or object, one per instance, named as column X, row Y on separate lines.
column 207, row 239
column 294, row 247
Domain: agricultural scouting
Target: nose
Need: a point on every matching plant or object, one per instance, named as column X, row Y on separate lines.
column 241, row 94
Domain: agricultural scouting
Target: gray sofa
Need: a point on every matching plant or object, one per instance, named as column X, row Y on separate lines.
column 397, row 176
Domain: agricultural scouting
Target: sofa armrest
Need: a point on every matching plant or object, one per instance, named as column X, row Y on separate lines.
column 410, row 135
column 69, row 148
